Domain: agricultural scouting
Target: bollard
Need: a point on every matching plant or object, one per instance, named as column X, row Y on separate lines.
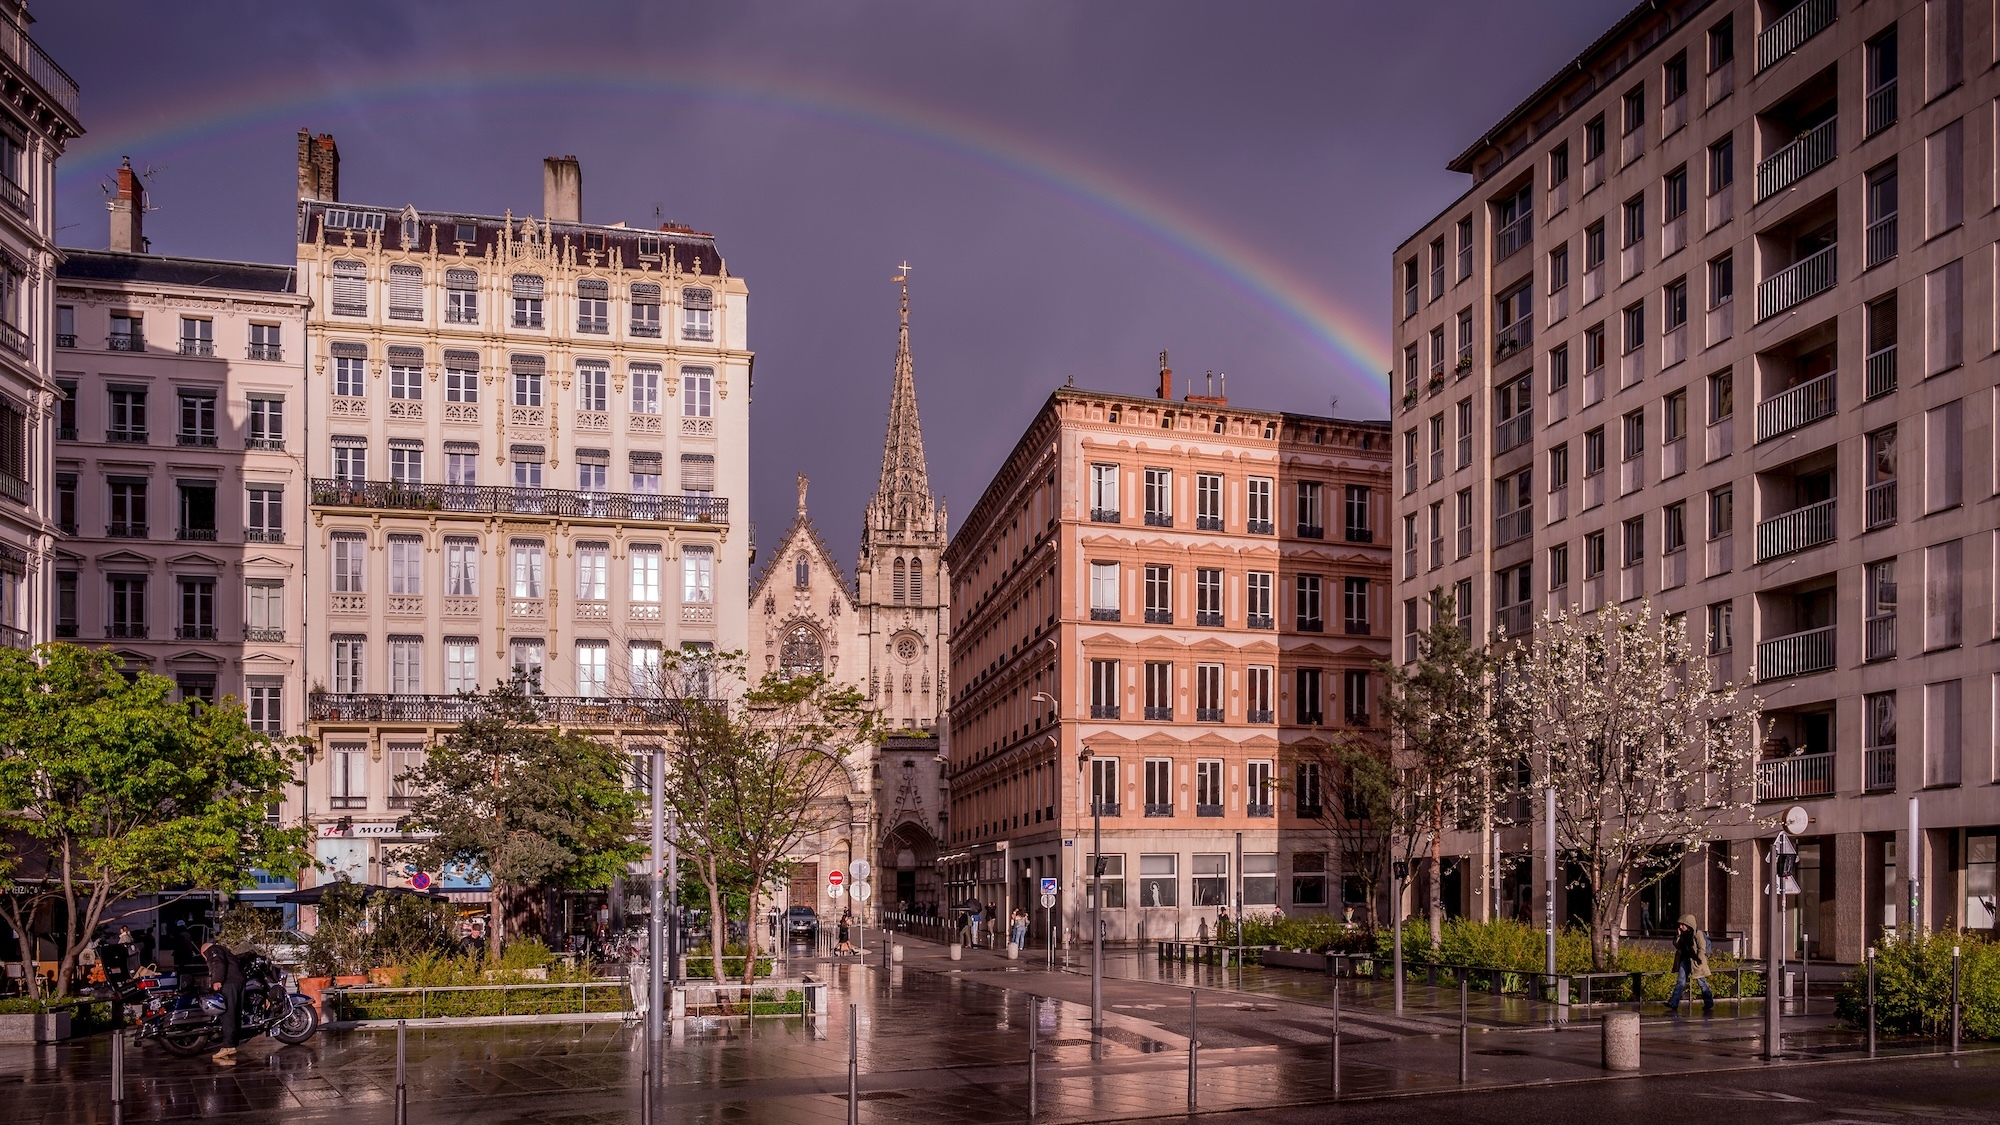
column 957, row 951
column 1194, row 1049
column 118, row 1077
column 1013, row 952
column 853, row 1066
column 1031, row 1058
column 896, row 955
column 1464, row 1054
column 1336, row 1038
column 1871, row 1001
column 402, row 1075
column 1621, row 1041
column 1954, row 999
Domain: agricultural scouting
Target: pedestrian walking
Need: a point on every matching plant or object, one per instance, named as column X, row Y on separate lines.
column 846, row 920
column 1020, row 937
column 1691, row 963
column 225, row 976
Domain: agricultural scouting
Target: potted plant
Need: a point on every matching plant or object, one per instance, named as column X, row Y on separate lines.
column 1464, row 364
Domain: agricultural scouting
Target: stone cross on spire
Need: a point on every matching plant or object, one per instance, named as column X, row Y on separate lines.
column 902, row 501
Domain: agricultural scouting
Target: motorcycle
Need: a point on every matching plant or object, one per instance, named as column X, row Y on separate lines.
column 189, row 1023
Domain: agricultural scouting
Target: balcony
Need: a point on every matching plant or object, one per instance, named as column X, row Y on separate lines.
column 65, row 339
column 194, row 632
column 1358, row 627
column 1878, row 768
column 13, row 487
column 263, row 535
column 126, row 630
column 271, row 352
column 1104, row 710
column 198, row 348
column 1800, row 654
column 195, row 534
column 645, row 329
column 1208, row 714
column 1801, row 775
column 263, row 635
column 1159, row 519
column 1258, row 810
column 1879, row 638
column 1513, row 237
column 1808, row 153
column 1208, row 810
column 1311, row 718
column 1160, row 714
column 203, row 440
column 66, row 629
column 1104, row 515
column 1881, row 105
column 1208, row 523
column 1790, row 31
column 1154, row 809
column 126, row 436
column 1099, row 613
column 1881, row 372
column 125, row 342
column 1260, row 621
column 1159, row 617
column 637, row 507
column 1514, row 620
column 1796, row 407
column 1359, row 534
column 1256, row 716
column 1311, row 531
column 1509, row 526
column 1260, row 527
column 1796, row 284
column 566, row 710
column 1208, row 617
column 124, row 529
column 1881, row 240
column 1311, row 625
column 1795, row 531
column 1514, row 337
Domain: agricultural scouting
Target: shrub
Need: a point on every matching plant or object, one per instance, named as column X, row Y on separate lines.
column 1309, row 933
column 1913, row 987
column 1521, row 948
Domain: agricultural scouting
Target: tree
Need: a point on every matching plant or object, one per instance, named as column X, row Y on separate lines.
column 532, row 806
column 110, row 790
column 1356, row 807
column 1645, row 751
column 750, row 779
column 1440, row 715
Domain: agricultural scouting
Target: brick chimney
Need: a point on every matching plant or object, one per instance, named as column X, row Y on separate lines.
column 128, row 212
column 562, row 189
column 1166, row 378
column 319, row 167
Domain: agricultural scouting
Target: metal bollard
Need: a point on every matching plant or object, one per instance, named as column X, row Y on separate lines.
column 118, row 1077
column 1336, row 1038
column 853, row 1066
column 1031, row 1058
column 402, row 1074
column 1464, row 1053
column 1194, row 1050
column 1871, row 1001
column 1954, row 999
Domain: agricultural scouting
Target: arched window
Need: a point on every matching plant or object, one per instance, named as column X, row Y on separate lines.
column 801, row 654
column 898, row 587
column 802, row 572
column 917, row 581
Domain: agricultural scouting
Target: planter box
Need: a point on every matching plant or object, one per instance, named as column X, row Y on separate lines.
column 1286, row 959
column 26, row 1028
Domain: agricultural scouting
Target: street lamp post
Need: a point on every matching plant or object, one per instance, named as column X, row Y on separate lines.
column 655, row 950
column 1096, row 899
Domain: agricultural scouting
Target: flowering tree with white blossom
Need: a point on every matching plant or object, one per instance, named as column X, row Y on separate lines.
column 1647, row 754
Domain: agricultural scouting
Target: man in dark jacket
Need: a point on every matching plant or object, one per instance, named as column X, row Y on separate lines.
column 1691, row 962
column 225, row 976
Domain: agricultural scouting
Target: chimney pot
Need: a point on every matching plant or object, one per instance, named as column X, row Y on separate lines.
column 128, row 212
column 319, row 167
column 562, row 189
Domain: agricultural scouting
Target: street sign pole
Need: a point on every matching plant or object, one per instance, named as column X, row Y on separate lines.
column 655, row 945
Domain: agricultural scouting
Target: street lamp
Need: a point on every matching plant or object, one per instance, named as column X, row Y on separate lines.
column 1096, row 899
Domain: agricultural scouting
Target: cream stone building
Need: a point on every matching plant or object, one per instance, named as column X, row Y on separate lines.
column 1582, row 428
column 528, row 451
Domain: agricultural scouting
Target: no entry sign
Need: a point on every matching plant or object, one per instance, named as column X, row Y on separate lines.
column 835, row 878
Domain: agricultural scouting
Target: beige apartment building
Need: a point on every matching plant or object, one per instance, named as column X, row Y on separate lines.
column 529, row 451
column 39, row 119
column 1155, row 603
column 1772, row 409
column 180, row 468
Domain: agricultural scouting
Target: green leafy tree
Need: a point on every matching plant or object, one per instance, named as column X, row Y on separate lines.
column 532, row 806
column 111, row 790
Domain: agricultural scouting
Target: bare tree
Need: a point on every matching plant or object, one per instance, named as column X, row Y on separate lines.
column 1350, row 801
column 1645, row 751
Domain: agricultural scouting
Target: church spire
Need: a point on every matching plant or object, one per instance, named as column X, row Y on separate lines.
column 903, row 502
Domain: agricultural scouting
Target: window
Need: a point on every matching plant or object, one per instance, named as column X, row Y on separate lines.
column 1104, row 785
column 645, row 388
column 1558, row 272
column 264, row 610
column 530, row 575
column 1464, row 504
column 406, row 461
column 350, row 554
column 1208, row 596
column 1633, row 110
column 1675, row 314
column 266, row 704
column 645, row 309
column 128, row 415
column 1104, row 693
column 1673, row 536
column 593, row 306
column 1437, row 267
column 128, row 508
column 347, row 775
column 593, row 387
column 1559, row 567
column 128, row 605
column 1159, row 690
column 406, row 665
column 1309, row 618
column 1634, row 533
column 406, row 565
column 347, row 664
column 1308, row 878
column 1437, row 448
column 1208, row 693
column 527, row 383
column 1559, row 165
column 697, row 391
column 1721, row 628
column 1257, row 599
column 1437, row 353
column 1258, row 507
column 350, row 288
column 1104, row 493
column 593, row 569
column 1674, row 79
column 1634, row 434
column 697, row 575
column 406, row 378
column 1208, row 501
column 1593, row 452
column 1593, row 246
column 1208, row 788
column 1674, row 425
column 461, row 377
column 197, row 510
column 1158, row 884
column 528, row 293
column 461, row 297
column 1593, row 349
column 1558, row 368
column 197, row 610
column 1721, row 165
column 525, row 657
column 1634, row 228
column 1107, row 871
column 697, row 314
column 1104, row 600
column 1437, row 534
column 1159, row 592
column 1593, row 554
column 593, row 669
column 1462, row 600
column 1721, row 511
column 1593, row 138
column 66, row 324
column 1464, row 340
column 1943, row 595
column 1879, row 594
column 643, row 667
column 1306, row 697
column 1409, row 629
column 267, row 422
column 461, row 568
column 1357, row 511
column 1310, row 507
column 644, row 562
column 406, row 293
column 1210, row 877
column 1464, row 248
column 1159, row 498
column 1409, row 288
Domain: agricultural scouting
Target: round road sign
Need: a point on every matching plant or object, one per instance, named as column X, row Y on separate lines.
column 1797, row 820
column 834, row 879
column 1048, row 902
column 835, row 891
column 421, row 881
column 859, row 869
column 861, row 891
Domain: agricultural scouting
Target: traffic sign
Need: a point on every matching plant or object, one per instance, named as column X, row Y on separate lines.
column 861, row 891
column 859, row 869
column 1048, row 887
column 1048, row 902
column 835, row 891
column 834, row 878
column 421, row 881
column 1797, row 820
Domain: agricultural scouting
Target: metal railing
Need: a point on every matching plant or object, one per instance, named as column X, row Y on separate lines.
column 1798, row 654
column 1208, row 523
column 1260, row 527
column 1809, row 152
column 1311, row 531
column 1104, row 515
column 1794, row 531
column 123, row 341
column 13, row 488
column 272, row 352
column 124, row 529
column 1099, row 613
column 573, row 710
column 16, row 197
column 1881, row 504
column 1516, row 619
column 1879, row 638
column 1881, row 240
column 1159, row 519
column 467, row 1000
column 1260, row 621
column 192, row 437
column 1160, row 714
column 1878, row 768
column 1255, row 715
column 1514, row 236
column 1881, row 104
column 503, row 499
column 1159, row 616
column 1880, row 372
column 1514, row 337
column 1509, row 526
column 1796, row 284
column 53, row 79
column 1790, row 31
column 1797, row 406
column 198, row 347
column 1104, row 710
column 1801, row 775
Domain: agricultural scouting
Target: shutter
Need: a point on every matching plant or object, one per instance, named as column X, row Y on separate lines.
column 350, row 288
column 697, row 472
column 349, row 349
column 697, row 299
column 1944, row 472
column 645, row 462
column 645, row 293
column 403, row 353
column 534, row 453
column 461, row 279
column 532, row 364
column 406, row 293
column 593, row 287
column 461, row 447
column 461, row 360
column 1944, row 179
column 593, row 457
column 1944, row 317
column 527, row 285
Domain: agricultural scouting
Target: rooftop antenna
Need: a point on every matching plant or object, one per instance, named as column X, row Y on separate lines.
column 1208, row 388
column 1333, row 407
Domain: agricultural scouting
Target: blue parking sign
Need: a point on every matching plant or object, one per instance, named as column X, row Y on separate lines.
column 1048, row 886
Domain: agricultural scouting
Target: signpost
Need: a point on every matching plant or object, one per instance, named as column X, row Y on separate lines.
column 1784, row 866
column 1049, row 888
column 860, row 892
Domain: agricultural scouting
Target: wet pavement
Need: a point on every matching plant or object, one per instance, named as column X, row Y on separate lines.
column 939, row 1041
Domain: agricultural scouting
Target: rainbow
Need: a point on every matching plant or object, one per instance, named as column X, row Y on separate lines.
column 1347, row 338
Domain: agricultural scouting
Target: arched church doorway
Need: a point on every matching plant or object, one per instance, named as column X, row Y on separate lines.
column 908, row 862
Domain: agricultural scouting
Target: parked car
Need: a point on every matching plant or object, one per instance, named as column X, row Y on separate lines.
column 802, row 922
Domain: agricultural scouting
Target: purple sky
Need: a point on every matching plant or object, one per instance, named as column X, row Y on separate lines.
column 1076, row 186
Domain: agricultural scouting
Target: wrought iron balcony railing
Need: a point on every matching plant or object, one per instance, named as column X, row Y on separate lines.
column 501, row 499
column 1801, row 775
column 1790, row 31
column 1798, row 406
column 569, row 710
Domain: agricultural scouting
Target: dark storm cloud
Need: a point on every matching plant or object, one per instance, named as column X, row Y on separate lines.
column 1306, row 137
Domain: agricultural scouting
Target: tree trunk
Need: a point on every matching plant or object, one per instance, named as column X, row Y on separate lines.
column 496, row 921
column 1436, row 890
column 750, row 941
column 718, row 925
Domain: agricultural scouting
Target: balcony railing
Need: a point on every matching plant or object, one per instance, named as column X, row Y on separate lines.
column 1159, row 519
column 1311, row 531
column 1879, row 638
column 1357, row 627
column 1260, row 527
column 195, row 534
column 501, row 499
column 13, row 487
column 125, row 342
column 1260, row 621
column 54, row 81
column 1511, row 433
column 1796, row 530
column 1878, row 768
column 1514, row 620
column 1881, row 107
column 272, row 352
column 1808, row 153
column 1514, row 236
column 1099, row 613
column 126, row 630
column 1514, row 337
column 1208, row 810
column 1881, row 240
column 1795, row 407
column 1312, row 625
column 1881, row 504
column 15, row 196
column 1256, row 715
column 1208, row 714
column 1263, row 810
column 264, row 634
column 1881, row 372
column 1104, row 710
column 1790, row 31
column 1509, row 526
column 1159, row 617
column 185, row 437
column 1311, row 718
column 125, row 437
column 1208, row 617
column 1801, row 775
column 1796, row 284
column 1104, row 515
column 194, row 632
column 1159, row 714
column 648, row 329
column 1799, row 654
column 1359, row 534
column 124, row 529
column 1159, row 809
column 327, row 706
column 1208, row 523
column 198, row 347
column 65, row 339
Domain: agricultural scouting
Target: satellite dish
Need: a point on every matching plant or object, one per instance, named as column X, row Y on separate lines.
column 1797, row 820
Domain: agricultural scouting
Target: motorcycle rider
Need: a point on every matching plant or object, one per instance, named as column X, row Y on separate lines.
column 225, row 976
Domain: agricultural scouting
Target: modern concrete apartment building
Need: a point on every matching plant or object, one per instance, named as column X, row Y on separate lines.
column 40, row 118
column 1154, row 603
column 529, row 450
column 1770, row 409
column 180, row 468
